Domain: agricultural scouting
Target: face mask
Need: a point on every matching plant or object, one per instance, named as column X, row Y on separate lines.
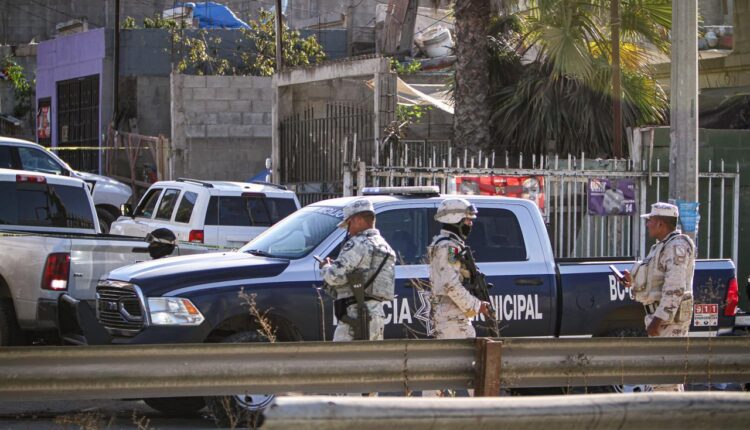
column 465, row 230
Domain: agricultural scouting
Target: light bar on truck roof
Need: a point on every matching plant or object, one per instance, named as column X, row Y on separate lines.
column 431, row 190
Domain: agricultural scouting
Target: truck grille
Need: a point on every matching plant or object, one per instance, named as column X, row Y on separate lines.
column 119, row 308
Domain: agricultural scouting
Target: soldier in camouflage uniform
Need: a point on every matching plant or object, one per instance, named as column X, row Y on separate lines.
column 364, row 255
column 453, row 306
column 663, row 281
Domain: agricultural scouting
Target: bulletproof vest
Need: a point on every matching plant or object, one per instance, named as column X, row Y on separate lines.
column 648, row 278
column 382, row 287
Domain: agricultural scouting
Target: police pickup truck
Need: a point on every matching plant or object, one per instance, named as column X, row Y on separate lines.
column 195, row 298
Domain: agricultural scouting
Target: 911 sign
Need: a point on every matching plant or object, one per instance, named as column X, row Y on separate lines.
column 706, row 315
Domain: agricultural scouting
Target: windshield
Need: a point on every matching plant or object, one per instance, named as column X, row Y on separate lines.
column 296, row 235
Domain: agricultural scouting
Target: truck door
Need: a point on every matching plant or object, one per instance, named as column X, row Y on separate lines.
column 509, row 252
column 406, row 228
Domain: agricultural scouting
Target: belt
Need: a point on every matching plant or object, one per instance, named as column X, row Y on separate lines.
column 650, row 309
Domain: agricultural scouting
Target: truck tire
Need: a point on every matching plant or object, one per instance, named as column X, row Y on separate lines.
column 177, row 406
column 10, row 334
column 242, row 410
column 105, row 219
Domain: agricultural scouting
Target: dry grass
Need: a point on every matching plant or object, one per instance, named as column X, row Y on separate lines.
column 264, row 324
column 92, row 420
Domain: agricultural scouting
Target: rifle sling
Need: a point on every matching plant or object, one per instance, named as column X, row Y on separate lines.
column 346, row 302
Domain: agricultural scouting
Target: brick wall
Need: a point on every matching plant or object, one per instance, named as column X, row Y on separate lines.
column 221, row 126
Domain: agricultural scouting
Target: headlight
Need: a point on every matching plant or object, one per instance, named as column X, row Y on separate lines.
column 173, row 311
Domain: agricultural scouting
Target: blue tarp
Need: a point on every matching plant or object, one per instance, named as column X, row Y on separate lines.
column 263, row 176
column 215, row 15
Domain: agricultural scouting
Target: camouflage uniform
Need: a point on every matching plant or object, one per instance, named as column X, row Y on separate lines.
column 364, row 251
column 453, row 306
column 668, row 292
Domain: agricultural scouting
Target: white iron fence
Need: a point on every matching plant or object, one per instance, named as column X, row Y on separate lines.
column 560, row 187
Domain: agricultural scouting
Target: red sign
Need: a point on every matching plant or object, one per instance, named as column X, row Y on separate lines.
column 707, row 309
column 524, row 187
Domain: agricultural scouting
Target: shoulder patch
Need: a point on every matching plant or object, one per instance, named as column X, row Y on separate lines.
column 348, row 245
column 453, row 252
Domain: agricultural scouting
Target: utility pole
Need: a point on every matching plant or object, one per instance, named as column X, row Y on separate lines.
column 614, row 22
column 683, row 133
column 279, row 32
column 116, row 71
column 407, row 29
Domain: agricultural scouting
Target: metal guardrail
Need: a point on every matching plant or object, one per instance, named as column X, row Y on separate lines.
column 139, row 371
column 603, row 411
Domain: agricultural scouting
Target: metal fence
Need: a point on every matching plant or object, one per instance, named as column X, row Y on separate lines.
column 140, row 371
column 313, row 148
column 561, row 192
column 132, row 158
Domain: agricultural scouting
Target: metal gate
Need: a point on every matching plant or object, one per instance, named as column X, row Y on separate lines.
column 314, row 148
column 573, row 230
column 78, row 122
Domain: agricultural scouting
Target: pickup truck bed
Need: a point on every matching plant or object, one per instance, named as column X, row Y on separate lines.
column 48, row 231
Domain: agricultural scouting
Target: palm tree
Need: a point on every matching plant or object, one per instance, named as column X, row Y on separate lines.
column 561, row 99
column 471, row 119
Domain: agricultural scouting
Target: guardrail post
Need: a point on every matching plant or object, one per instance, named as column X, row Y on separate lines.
column 488, row 363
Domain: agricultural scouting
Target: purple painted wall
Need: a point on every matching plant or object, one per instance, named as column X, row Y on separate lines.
column 68, row 57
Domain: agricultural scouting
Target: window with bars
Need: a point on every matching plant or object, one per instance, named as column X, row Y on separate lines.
column 78, row 122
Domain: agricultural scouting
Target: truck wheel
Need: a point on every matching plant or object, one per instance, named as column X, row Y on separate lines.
column 177, row 406
column 105, row 219
column 243, row 409
column 10, row 334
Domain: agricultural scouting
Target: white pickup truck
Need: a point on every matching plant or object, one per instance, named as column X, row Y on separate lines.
column 49, row 246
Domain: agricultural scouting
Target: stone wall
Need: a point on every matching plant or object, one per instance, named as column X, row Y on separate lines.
column 221, row 126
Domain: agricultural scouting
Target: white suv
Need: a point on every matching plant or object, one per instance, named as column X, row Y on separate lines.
column 107, row 193
column 216, row 213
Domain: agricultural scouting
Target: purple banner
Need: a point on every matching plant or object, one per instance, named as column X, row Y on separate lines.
column 611, row 196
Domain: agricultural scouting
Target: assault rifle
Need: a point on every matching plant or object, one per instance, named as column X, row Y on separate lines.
column 479, row 287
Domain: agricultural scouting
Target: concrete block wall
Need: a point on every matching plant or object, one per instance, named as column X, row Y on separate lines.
column 221, row 126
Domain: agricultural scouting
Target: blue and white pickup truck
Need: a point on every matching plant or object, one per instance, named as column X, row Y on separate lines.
column 195, row 298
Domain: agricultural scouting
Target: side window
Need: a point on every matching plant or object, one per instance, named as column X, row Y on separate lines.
column 228, row 211
column 280, row 208
column 497, row 236
column 258, row 209
column 6, row 157
column 38, row 161
column 148, row 203
column 185, row 209
column 248, row 211
column 406, row 230
column 166, row 206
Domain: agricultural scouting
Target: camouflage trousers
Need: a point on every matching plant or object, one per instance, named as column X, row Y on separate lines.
column 345, row 333
column 679, row 329
column 450, row 323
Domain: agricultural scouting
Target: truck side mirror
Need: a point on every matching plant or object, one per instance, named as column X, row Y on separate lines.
column 126, row 210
